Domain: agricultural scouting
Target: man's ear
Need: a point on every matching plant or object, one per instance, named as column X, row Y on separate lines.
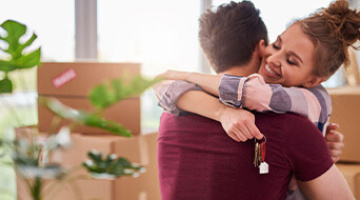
column 312, row 82
column 261, row 46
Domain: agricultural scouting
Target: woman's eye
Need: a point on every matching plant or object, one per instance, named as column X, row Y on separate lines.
column 291, row 62
column 275, row 46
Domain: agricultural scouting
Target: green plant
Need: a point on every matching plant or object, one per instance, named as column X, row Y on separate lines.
column 16, row 58
column 28, row 152
column 111, row 166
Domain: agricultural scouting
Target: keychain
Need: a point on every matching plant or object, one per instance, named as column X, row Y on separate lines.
column 259, row 159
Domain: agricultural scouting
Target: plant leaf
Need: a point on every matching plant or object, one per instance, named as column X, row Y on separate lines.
column 14, row 31
column 96, row 121
column 101, row 96
column 30, row 60
column 6, row 85
column 81, row 117
column 105, row 94
column 7, row 66
column 19, row 60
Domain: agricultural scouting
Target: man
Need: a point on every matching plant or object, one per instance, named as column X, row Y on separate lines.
column 198, row 161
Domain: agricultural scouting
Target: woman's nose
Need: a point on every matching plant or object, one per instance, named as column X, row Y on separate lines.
column 274, row 61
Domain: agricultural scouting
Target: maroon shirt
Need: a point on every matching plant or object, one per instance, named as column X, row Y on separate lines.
column 198, row 161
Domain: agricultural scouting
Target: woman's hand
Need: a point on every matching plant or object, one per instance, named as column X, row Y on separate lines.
column 334, row 140
column 239, row 124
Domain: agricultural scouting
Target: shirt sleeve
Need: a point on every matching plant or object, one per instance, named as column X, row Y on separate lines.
column 168, row 92
column 254, row 94
column 305, row 149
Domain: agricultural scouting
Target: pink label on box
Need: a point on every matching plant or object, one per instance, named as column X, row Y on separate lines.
column 64, row 77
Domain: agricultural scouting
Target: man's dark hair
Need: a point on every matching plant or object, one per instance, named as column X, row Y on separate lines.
column 229, row 34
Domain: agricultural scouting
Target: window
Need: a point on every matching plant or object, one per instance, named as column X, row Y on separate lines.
column 52, row 21
column 159, row 34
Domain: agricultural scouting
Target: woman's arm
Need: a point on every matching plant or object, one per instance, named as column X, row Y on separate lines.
column 253, row 93
column 239, row 124
column 208, row 82
column 175, row 96
column 168, row 92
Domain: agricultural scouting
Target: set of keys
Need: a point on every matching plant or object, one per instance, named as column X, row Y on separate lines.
column 259, row 160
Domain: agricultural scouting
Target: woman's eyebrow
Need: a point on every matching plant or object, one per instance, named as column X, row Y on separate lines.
column 295, row 55
column 292, row 53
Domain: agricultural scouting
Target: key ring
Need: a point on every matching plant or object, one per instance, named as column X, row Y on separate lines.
column 264, row 139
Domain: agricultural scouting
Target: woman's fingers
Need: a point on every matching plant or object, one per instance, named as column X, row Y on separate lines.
column 240, row 123
column 334, row 136
column 246, row 131
column 332, row 126
column 334, row 140
column 253, row 130
column 236, row 136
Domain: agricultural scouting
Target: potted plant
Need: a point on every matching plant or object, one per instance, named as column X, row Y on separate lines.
column 29, row 153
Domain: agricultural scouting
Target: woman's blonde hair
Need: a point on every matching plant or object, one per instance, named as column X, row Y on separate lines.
column 332, row 30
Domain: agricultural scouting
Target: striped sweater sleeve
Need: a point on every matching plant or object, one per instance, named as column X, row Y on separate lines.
column 168, row 92
column 254, row 94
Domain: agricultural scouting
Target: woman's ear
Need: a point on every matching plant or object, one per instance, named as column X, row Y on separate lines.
column 314, row 81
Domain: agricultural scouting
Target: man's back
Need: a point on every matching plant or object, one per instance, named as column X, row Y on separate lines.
column 197, row 160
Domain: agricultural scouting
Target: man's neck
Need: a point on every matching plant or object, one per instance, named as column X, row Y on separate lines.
column 244, row 70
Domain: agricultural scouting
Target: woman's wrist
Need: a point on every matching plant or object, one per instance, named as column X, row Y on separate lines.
column 220, row 112
column 190, row 77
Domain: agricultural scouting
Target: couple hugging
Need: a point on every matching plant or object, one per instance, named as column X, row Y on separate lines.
column 206, row 134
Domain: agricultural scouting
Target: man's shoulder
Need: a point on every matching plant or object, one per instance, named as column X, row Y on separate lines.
column 289, row 126
column 293, row 117
column 286, row 121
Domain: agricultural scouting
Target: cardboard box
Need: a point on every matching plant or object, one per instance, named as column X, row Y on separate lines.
column 71, row 83
column 346, row 110
column 351, row 173
column 140, row 149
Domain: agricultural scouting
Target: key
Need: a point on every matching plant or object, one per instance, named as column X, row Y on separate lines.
column 256, row 152
column 260, row 159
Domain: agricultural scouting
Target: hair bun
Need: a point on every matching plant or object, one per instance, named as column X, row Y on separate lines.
column 343, row 21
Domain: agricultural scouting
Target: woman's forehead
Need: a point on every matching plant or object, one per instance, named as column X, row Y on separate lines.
column 294, row 39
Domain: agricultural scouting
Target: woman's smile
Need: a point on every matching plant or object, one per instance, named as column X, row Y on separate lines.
column 270, row 72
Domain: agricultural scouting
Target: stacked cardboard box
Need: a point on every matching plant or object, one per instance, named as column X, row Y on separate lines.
column 346, row 108
column 351, row 173
column 70, row 83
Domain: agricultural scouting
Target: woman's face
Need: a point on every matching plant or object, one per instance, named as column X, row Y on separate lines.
column 289, row 61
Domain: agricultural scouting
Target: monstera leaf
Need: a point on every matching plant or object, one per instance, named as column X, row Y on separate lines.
column 111, row 166
column 16, row 57
column 107, row 94
column 84, row 118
